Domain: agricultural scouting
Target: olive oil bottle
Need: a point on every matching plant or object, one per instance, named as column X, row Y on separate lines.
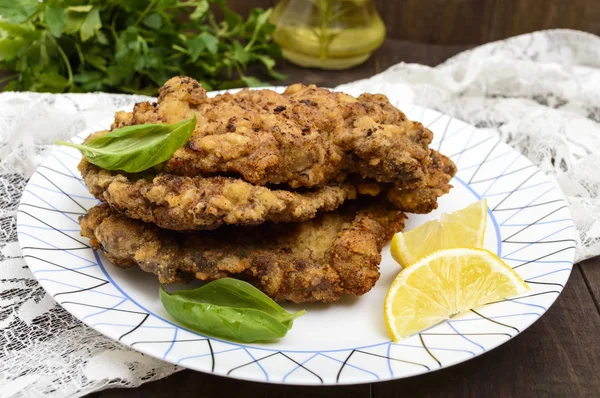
column 327, row 34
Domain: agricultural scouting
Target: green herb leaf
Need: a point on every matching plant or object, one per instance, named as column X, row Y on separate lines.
column 56, row 19
column 269, row 63
column 18, row 11
column 239, row 53
column 153, row 21
column 91, row 24
column 15, row 29
column 202, row 41
column 136, row 148
column 74, row 22
column 253, row 82
column 201, row 10
column 86, row 8
column 9, row 48
column 136, row 45
column 53, row 81
column 230, row 308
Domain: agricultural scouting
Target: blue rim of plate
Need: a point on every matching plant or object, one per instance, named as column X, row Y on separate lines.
column 352, row 365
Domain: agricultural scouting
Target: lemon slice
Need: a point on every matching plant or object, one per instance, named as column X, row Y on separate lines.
column 446, row 283
column 462, row 228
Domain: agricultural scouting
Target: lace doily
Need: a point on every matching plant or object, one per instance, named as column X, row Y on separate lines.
column 540, row 92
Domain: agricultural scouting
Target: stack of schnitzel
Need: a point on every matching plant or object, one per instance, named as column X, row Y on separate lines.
column 296, row 193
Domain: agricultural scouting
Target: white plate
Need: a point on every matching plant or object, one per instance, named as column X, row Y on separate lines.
column 342, row 343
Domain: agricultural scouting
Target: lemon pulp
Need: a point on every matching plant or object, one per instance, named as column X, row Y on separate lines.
column 446, row 283
column 462, row 228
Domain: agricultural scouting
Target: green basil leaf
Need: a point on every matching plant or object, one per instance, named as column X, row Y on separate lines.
column 56, row 19
column 136, row 148
column 91, row 24
column 231, row 309
column 18, row 11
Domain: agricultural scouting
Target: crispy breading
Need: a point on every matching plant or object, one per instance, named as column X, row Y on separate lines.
column 305, row 137
column 424, row 199
column 318, row 260
column 189, row 203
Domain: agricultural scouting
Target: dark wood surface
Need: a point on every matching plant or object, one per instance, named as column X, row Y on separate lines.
column 481, row 21
column 558, row 356
column 471, row 21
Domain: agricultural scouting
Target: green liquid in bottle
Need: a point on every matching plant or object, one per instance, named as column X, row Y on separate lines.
column 327, row 34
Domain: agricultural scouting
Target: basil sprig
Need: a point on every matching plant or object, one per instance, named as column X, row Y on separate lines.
column 231, row 309
column 136, row 148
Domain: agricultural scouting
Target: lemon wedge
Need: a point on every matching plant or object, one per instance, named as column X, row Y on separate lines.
column 446, row 283
column 462, row 228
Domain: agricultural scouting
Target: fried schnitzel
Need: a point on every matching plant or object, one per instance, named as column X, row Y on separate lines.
column 424, row 199
column 259, row 156
column 318, row 260
column 191, row 203
column 188, row 203
column 306, row 137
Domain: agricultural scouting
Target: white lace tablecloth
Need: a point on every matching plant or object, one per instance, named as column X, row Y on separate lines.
column 540, row 92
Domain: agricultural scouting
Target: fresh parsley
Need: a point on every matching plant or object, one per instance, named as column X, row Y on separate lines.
column 131, row 46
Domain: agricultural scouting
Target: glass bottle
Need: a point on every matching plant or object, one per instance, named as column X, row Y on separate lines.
column 327, row 34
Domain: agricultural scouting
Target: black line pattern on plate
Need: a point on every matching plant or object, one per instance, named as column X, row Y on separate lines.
column 63, row 267
column 57, row 230
column 61, row 190
column 134, row 328
column 444, row 133
column 471, row 147
column 528, row 206
column 271, row 355
column 503, row 174
column 545, row 283
column 378, row 356
column 516, row 189
column 466, row 334
column 541, row 241
column 49, row 209
column 544, row 256
column 60, row 172
column 206, row 339
column 303, row 367
column 54, row 248
column 534, row 223
column 427, row 349
column 522, row 297
column 81, row 290
column 483, row 161
column 102, row 308
column 495, row 321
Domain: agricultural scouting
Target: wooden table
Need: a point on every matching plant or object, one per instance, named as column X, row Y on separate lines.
column 557, row 356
